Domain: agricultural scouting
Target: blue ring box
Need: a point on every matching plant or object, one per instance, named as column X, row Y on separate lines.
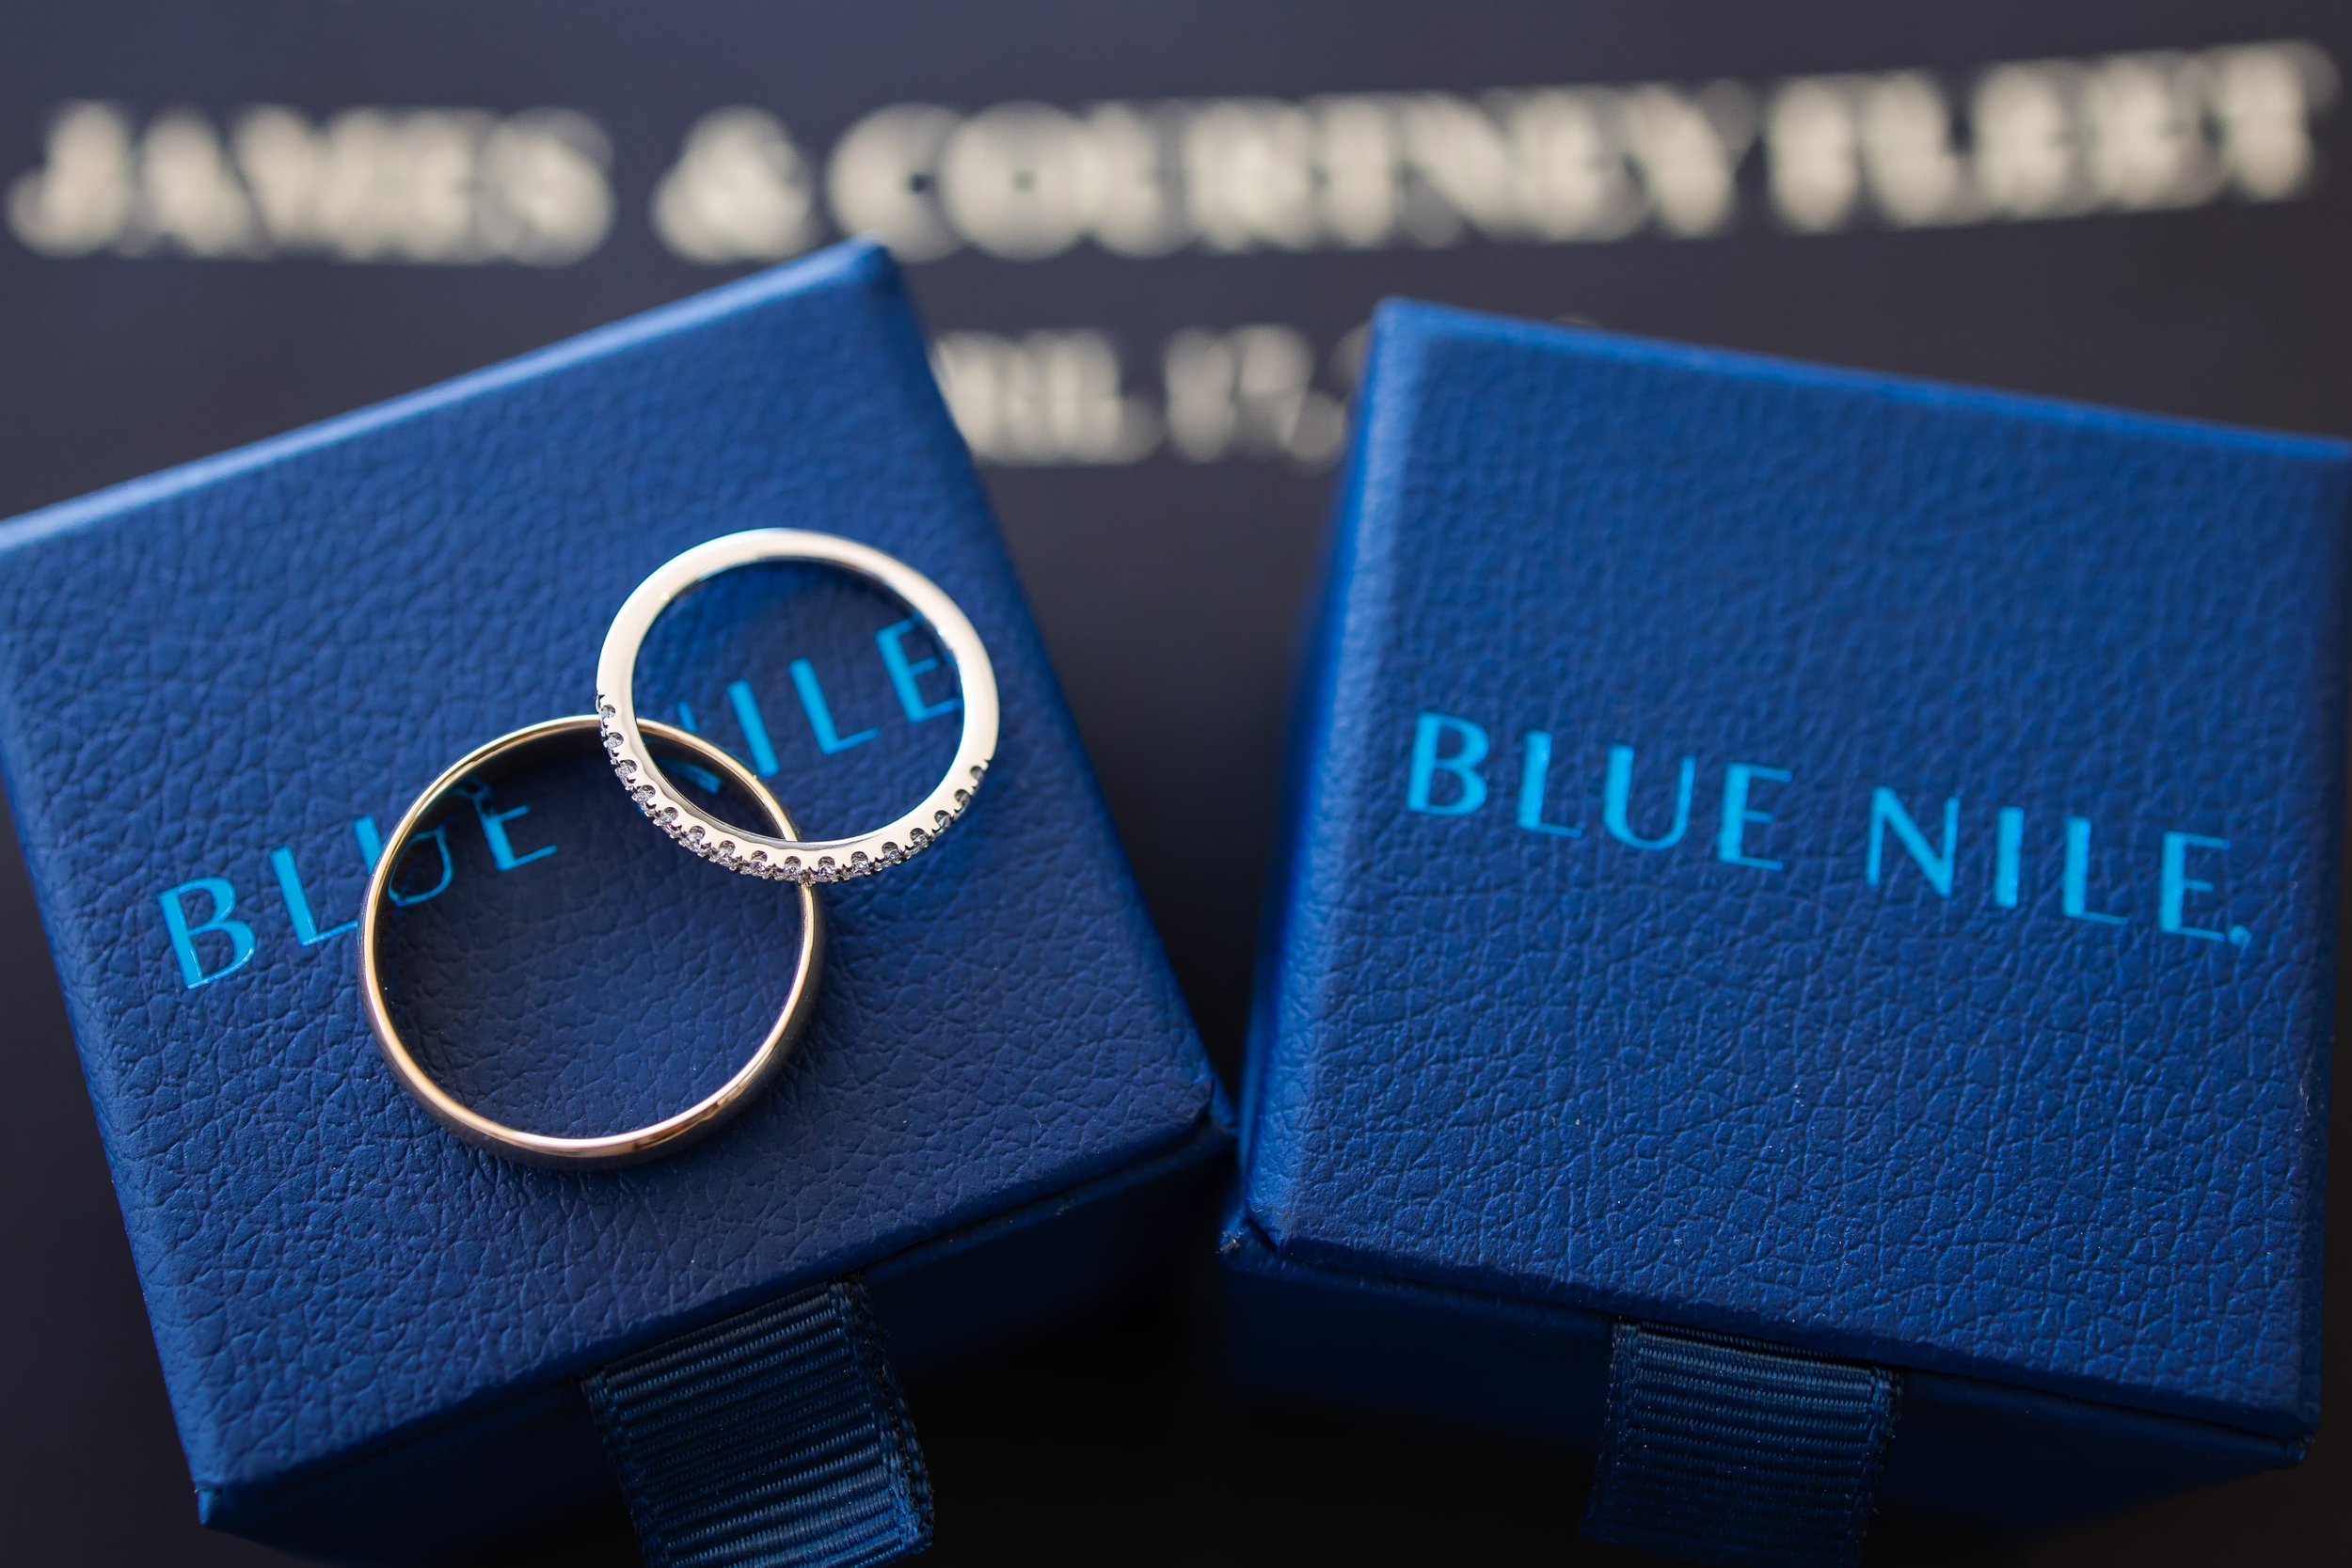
column 216, row 683
column 1815, row 857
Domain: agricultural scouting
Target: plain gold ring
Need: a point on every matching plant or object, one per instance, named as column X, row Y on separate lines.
column 609, row 1148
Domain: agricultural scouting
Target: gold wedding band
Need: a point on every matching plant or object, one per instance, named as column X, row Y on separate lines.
column 609, row 1148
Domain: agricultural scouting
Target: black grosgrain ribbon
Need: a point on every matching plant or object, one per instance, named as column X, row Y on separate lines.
column 1730, row 1451
column 775, row 1438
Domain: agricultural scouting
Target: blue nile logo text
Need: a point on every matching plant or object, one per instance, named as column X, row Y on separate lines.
column 1459, row 770
column 211, row 939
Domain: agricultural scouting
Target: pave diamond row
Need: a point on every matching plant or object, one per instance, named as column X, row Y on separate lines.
column 663, row 810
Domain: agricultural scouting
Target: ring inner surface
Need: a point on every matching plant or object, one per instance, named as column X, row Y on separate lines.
column 822, row 682
column 555, row 967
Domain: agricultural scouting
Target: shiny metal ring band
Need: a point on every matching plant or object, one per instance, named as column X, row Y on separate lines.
column 789, row 858
column 609, row 1148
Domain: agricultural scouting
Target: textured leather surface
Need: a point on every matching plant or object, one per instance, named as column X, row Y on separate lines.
column 249, row 654
column 1867, row 1119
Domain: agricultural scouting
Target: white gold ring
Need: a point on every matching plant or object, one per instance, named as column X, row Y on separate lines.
column 793, row 859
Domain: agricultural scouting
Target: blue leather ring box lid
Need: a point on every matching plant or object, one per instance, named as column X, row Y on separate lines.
column 216, row 683
column 1818, row 858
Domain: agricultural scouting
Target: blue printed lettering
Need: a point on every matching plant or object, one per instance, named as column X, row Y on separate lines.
column 371, row 850
column 1886, row 811
column 2076, row 886
column 755, row 727
column 184, row 931
column 891, row 640
column 494, row 829
column 2009, row 843
column 1737, row 814
column 1617, row 790
column 1534, row 773
column 1469, row 790
column 306, row 925
column 830, row 740
column 2174, row 884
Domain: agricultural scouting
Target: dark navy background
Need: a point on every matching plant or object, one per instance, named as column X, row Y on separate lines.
column 1168, row 586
